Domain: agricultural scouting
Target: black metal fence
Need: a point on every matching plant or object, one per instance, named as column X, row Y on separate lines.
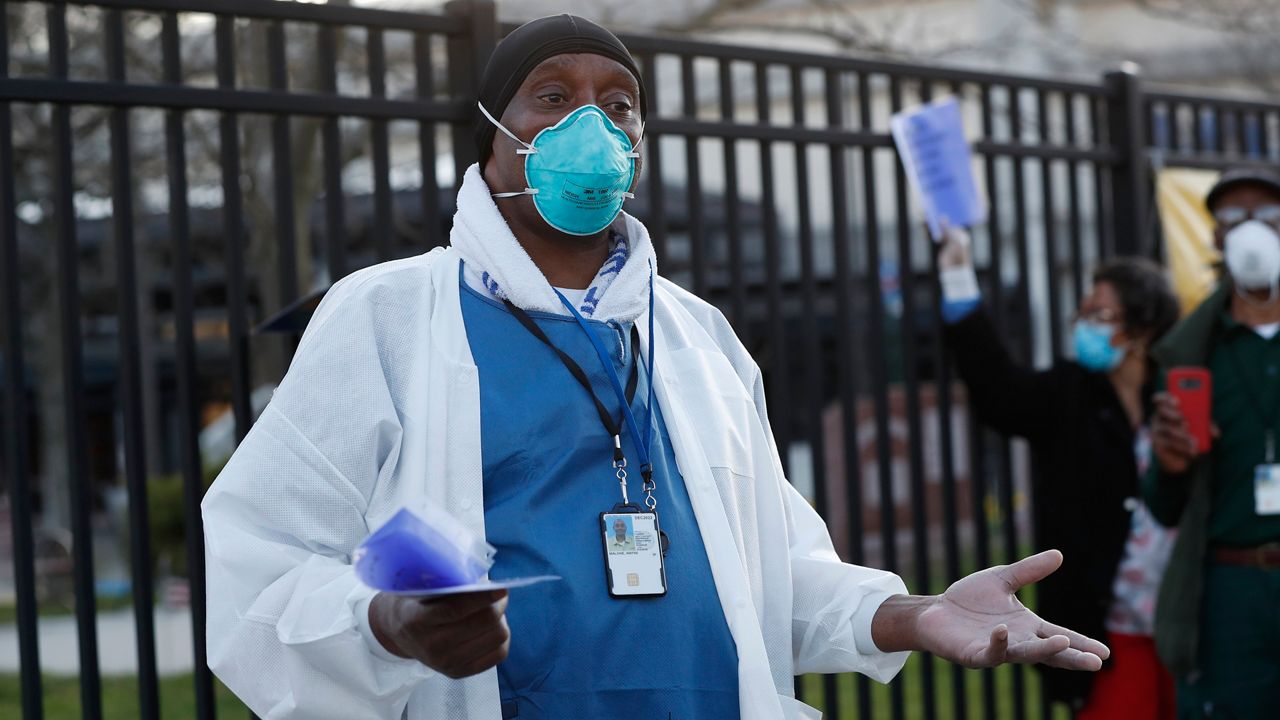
column 257, row 150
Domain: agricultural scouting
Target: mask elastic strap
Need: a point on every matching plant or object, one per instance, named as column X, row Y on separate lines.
column 526, row 191
column 1273, row 292
column 635, row 153
column 526, row 150
column 534, row 191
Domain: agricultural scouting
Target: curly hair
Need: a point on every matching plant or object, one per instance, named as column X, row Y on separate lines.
column 1146, row 296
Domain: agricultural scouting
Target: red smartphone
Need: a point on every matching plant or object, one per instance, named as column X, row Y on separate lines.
column 1193, row 387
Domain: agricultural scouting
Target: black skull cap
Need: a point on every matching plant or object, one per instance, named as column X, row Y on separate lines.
column 528, row 45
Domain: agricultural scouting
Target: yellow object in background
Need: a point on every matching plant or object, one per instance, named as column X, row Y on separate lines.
column 1188, row 232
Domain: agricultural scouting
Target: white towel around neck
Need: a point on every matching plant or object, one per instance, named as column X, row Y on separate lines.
column 486, row 244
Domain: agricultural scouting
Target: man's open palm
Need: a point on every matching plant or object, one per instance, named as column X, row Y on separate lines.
column 979, row 622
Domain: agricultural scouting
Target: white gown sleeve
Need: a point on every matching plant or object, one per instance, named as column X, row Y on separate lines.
column 833, row 602
column 287, row 625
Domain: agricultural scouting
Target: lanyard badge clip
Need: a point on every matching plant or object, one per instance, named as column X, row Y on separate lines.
column 620, row 467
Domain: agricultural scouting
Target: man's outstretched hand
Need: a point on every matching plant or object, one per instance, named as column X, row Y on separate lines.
column 979, row 622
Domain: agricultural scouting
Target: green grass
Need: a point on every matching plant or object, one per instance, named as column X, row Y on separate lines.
column 119, row 698
column 912, row 682
column 177, row 696
column 9, row 611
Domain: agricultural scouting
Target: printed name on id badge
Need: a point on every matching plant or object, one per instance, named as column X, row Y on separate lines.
column 1266, row 489
column 633, row 554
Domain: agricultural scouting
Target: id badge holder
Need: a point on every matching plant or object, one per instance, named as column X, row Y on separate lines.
column 1266, row 482
column 1266, row 489
column 633, row 549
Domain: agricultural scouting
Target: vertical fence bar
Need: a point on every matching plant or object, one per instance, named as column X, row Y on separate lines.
column 1157, row 126
column 331, row 152
column 185, row 363
column 780, row 393
column 1250, row 140
column 1027, row 326
column 282, row 156
column 910, row 362
column 1130, row 176
column 13, row 364
column 846, row 327
column 1234, row 136
column 815, row 396
column 946, row 442
column 1264, row 135
column 131, row 374
column 1156, row 120
column 1104, row 213
column 693, row 174
column 468, row 55
column 425, row 89
column 1198, row 128
column 380, row 147
column 657, row 220
column 68, row 258
column 1051, row 254
column 1049, row 222
column 1220, row 134
column 733, row 227
column 978, row 471
column 876, row 348
column 1008, row 526
column 1181, row 131
column 950, row 501
column 1073, row 203
column 233, row 230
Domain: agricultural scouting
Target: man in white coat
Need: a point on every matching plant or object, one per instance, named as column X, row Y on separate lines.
column 518, row 379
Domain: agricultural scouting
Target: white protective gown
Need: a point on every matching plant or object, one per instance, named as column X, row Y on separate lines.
column 381, row 405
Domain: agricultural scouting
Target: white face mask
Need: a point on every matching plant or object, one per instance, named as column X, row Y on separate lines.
column 1252, row 251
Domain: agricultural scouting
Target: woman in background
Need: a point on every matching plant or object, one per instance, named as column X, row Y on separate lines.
column 1086, row 423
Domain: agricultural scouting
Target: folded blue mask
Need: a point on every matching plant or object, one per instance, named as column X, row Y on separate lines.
column 407, row 553
column 579, row 171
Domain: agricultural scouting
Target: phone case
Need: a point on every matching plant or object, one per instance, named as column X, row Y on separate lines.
column 1193, row 387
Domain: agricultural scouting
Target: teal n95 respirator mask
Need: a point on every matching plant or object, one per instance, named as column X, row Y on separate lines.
column 579, row 171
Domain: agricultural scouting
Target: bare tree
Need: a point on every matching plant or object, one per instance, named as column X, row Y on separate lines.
column 1249, row 27
column 33, row 176
column 33, row 181
column 832, row 20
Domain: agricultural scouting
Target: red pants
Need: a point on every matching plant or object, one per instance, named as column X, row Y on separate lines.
column 1133, row 686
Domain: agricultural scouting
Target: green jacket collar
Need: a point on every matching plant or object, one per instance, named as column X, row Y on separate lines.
column 1189, row 341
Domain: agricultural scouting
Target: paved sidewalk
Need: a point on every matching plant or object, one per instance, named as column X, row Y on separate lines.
column 117, row 645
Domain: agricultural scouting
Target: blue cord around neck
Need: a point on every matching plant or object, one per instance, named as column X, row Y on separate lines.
column 642, row 442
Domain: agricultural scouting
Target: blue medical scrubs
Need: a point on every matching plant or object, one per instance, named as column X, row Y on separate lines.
column 575, row 651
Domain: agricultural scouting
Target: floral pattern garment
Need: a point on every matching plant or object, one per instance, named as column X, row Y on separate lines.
column 1146, row 553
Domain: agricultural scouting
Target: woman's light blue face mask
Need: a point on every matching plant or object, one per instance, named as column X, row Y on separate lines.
column 1094, row 350
column 579, row 171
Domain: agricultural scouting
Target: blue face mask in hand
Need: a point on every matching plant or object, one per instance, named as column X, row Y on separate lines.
column 578, row 171
column 1094, row 350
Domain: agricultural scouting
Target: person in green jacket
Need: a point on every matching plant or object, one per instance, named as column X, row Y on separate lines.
column 1218, row 612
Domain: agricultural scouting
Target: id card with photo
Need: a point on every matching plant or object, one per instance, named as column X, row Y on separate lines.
column 633, row 554
column 1266, row 489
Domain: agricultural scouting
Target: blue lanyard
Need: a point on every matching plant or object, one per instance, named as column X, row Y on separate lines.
column 643, row 441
